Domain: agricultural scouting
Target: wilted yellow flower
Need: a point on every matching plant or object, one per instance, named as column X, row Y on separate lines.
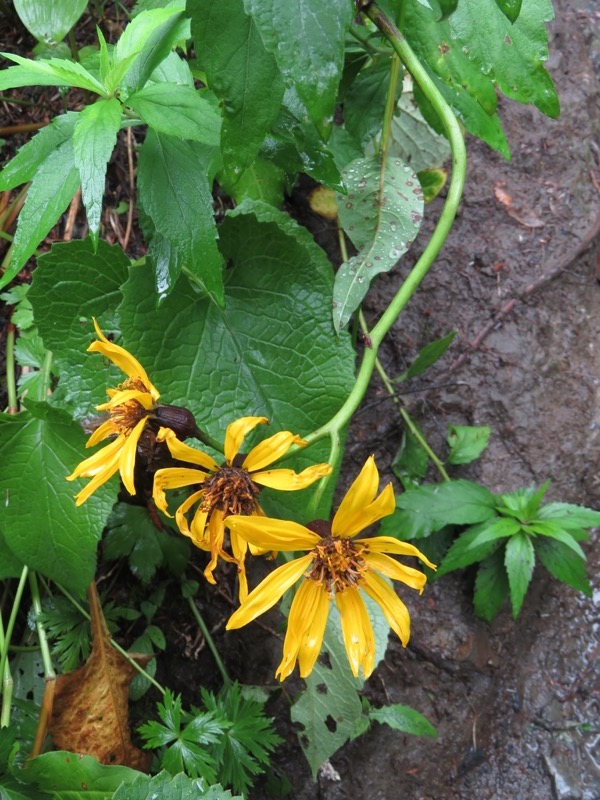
column 129, row 407
column 337, row 565
column 229, row 488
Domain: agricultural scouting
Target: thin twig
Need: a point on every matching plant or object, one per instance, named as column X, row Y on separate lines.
column 127, row 235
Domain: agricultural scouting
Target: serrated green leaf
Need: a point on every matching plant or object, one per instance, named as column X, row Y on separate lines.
column 51, row 191
column 462, row 84
column 563, row 564
column 491, row 586
column 381, row 214
column 427, row 356
column 403, row 718
column 72, row 284
column 510, row 8
column 512, row 54
column 307, row 39
column 176, row 194
column 263, row 181
column 410, row 462
column 519, row 560
column 241, row 73
column 94, row 139
column 364, row 103
column 144, row 44
column 31, row 156
column 53, row 72
column 49, row 22
column 167, row 787
column 177, row 110
column 429, row 508
column 467, row 442
column 570, row 515
column 554, row 530
column 42, row 526
column 477, row 543
column 271, row 350
column 76, row 777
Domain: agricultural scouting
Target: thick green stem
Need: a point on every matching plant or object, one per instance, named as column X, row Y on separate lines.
column 390, row 105
column 11, row 383
column 46, row 374
column 11, row 621
column 209, row 640
column 7, row 684
column 41, row 631
column 408, row 288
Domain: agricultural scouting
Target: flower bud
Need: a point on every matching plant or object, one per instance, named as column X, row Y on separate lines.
column 178, row 419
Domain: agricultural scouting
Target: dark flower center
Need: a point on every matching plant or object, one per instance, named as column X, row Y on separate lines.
column 127, row 415
column 338, row 563
column 231, row 490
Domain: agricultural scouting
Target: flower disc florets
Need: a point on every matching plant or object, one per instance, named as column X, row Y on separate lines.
column 126, row 415
column 337, row 564
column 231, row 490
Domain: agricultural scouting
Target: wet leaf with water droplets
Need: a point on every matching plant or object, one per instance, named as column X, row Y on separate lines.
column 381, row 214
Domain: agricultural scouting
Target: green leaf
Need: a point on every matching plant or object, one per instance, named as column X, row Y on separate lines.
column 570, row 515
column 31, row 156
column 403, row 718
column 519, row 560
column 563, row 564
column 510, row 8
column 175, row 193
column 241, row 73
column 554, row 530
column 144, row 44
column 42, row 526
column 94, row 139
column 429, row 508
column 410, row 462
column 177, row 110
column 467, row 442
column 364, row 103
column 49, row 22
column 271, row 350
column 76, row 777
column 132, row 534
column 10, row 565
column 53, row 72
column 263, row 181
column 381, row 214
column 51, row 191
column 477, row 543
column 432, row 182
column 426, row 357
column 491, row 586
column 72, row 284
column 447, row 7
column 307, row 39
column 167, row 787
column 511, row 54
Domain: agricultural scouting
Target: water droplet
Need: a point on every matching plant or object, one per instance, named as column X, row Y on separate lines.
column 360, row 278
column 349, row 205
column 394, row 253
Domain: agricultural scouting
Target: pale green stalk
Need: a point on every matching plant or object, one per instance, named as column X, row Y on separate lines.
column 209, row 640
column 5, row 639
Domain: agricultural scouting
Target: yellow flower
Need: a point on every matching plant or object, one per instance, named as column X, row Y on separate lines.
column 230, row 488
column 130, row 405
column 337, row 565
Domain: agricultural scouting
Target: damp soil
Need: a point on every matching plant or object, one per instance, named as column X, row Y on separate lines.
column 517, row 702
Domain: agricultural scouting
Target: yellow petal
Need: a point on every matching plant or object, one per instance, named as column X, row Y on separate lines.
column 313, row 640
column 269, row 591
column 396, row 571
column 216, row 535
column 102, row 473
column 387, row 544
column 349, row 524
column 99, row 461
column 122, row 359
column 273, row 534
column 394, row 610
column 239, row 548
column 173, row 478
column 288, row 480
column 126, row 396
column 102, row 432
column 197, row 530
column 236, row 432
column 269, row 450
column 128, row 453
column 305, row 618
column 183, row 452
column 357, row 631
column 359, row 495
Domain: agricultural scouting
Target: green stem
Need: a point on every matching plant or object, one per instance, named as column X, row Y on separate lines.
column 410, row 285
column 7, row 684
column 409, row 422
column 73, row 46
column 41, row 630
column 46, row 374
column 11, row 383
column 364, row 39
column 390, row 105
column 117, row 647
column 209, row 640
column 11, row 622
